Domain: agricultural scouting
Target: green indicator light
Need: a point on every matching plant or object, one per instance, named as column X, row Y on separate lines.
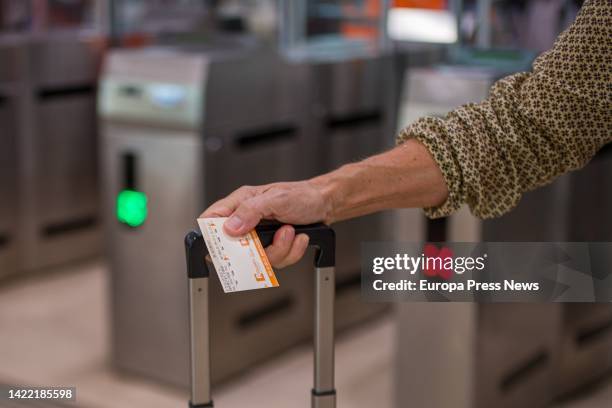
column 132, row 207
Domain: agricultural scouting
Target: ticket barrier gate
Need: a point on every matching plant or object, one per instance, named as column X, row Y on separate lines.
column 354, row 118
column 586, row 337
column 58, row 178
column 182, row 128
column 513, row 354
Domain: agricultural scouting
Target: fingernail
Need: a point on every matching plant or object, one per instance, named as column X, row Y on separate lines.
column 287, row 234
column 234, row 223
column 305, row 238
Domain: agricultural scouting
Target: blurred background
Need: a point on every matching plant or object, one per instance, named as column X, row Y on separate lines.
column 120, row 121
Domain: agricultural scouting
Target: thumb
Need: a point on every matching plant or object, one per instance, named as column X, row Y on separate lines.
column 243, row 220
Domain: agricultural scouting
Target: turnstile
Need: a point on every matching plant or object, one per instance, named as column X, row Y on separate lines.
column 586, row 338
column 507, row 355
column 183, row 127
column 354, row 113
column 58, row 174
column 504, row 353
column 9, row 74
column 8, row 187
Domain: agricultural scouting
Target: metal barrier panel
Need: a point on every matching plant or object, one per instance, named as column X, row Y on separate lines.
column 60, row 220
column 8, row 185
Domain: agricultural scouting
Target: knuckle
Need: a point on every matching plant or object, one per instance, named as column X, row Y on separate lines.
column 282, row 201
column 244, row 207
column 247, row 207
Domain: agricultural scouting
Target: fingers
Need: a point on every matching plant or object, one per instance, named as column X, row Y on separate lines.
column 217, row 210
column 226, row 206
column 244, row 219
column 250, row 211
column 300, row 244
column 282, row 254
column 246, row 206
column 281, row 244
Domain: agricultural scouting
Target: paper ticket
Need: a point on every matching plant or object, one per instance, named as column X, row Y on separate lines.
column 241, row 262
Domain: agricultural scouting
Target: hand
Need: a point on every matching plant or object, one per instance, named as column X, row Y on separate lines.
column 302, row 202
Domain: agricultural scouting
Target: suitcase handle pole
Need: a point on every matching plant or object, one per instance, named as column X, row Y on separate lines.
column 323, row 238
column 197, row 272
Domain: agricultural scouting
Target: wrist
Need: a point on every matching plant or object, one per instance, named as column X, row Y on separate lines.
column 327, row 186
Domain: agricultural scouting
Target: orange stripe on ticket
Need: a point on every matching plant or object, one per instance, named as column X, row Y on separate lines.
column 264, row 258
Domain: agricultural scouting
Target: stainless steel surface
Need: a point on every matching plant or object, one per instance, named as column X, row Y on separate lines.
column 150, row 320
column 149, row 309
column 269, row 89
column 498, row 355
column 516, row 351
column 573, row 208
column 585, row 346
column 435, row 345
column 170, row 95
column 526, row 354
column 8, row 183
column 544, row 211
column 181, row 171
column 586, row 338
column 265, row 139
column 324, row 330
column 279, row 318
column 435, row 91
column 354, row 114
column 505, row 355
column 10, row 49
column 258, row 120
column 59, row 219
column 200, row 341
column 591, row 200
column 60, row 59
column 11, row 57
column 66, row 179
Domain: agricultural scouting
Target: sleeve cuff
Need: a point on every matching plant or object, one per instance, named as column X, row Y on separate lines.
column 430, row 132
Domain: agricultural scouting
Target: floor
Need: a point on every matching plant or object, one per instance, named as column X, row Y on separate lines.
column 54, row 331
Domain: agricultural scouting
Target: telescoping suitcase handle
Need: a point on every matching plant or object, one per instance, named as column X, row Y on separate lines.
column 323, row 238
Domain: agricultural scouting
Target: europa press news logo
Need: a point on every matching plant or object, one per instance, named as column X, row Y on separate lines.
column 442, row 262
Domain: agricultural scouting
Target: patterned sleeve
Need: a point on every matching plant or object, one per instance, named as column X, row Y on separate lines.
column 532, row 127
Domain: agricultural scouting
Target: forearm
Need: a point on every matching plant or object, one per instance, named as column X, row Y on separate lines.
column 406, row 176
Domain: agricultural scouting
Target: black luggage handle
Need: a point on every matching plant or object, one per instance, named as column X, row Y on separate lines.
column 323, row 238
